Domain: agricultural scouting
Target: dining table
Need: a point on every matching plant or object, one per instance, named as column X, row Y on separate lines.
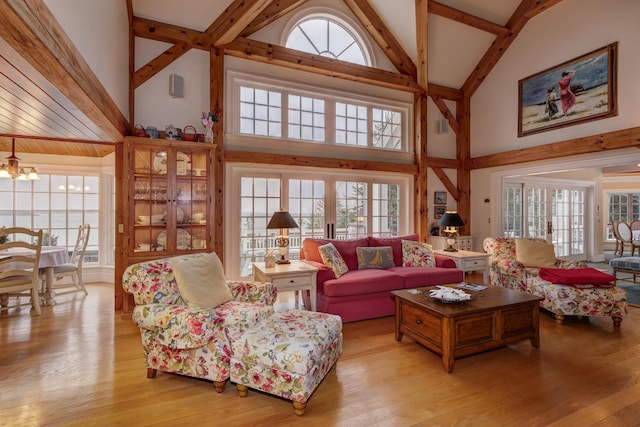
column 50, row 257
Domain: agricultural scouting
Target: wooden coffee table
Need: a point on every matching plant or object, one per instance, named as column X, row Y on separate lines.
column 494, row 318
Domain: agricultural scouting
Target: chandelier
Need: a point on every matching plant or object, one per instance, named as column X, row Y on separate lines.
column 13, row 170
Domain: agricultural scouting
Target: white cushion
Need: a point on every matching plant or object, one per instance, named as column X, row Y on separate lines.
column 201, row 281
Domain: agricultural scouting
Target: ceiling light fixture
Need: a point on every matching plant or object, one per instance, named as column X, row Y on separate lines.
column 13, row 170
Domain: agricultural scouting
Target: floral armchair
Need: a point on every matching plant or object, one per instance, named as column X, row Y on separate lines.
column 185, row 340
column 506, row 271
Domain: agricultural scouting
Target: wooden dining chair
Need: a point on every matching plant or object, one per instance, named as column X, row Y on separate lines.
column 626, row 236
column 19, row 260
column 616, row 235
column 73, row 268
column 635, row 243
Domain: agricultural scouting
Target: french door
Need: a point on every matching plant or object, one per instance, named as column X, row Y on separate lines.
column 552, row 212
column 339, row 206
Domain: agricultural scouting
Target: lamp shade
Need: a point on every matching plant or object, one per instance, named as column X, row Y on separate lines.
column 282, row 219
column 451, row 219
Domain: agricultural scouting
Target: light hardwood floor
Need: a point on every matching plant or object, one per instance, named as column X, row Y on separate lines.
column 81, row 364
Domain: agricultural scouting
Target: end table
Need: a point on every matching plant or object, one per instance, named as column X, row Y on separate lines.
column 296, row 276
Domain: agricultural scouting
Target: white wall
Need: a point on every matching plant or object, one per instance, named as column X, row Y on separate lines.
column 566, row 31
column 100, row 31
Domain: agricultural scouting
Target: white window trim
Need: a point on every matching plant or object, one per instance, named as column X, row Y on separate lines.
column 283, row 145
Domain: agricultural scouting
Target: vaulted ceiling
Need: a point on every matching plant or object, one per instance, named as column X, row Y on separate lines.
column 53, row 103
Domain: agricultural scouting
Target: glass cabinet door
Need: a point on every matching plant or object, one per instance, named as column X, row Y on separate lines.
column 192, row 202
column 150, row 193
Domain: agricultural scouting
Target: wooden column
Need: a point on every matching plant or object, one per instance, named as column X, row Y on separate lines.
column 463, row 153
column 216, row 85
column 421, row 199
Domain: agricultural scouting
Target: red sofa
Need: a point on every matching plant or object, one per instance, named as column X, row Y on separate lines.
column 366, row 294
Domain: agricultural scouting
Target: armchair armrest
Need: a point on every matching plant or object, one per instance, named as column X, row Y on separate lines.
column 261, row 292
column 444, row 261
column 570, row 264
column 509, row 267
column 177, row 326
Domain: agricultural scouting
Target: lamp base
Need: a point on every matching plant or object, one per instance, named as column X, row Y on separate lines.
column 283, row 261
column 450, row 249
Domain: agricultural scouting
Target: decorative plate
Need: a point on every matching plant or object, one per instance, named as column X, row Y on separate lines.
column 183, row 239
column 183, row 166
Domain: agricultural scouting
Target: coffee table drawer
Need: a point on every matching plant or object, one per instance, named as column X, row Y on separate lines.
column 429, row 327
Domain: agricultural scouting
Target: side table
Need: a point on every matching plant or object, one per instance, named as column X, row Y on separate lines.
column 295, row 276
column 469, row 261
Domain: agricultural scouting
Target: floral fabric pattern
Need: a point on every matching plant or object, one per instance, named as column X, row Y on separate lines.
column 289, row 354
column 191, row 341
column 417, row 254
column 332, row 259
column 506, row 271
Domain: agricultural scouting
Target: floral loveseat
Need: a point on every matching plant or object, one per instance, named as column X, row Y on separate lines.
column 505, row 270
column 191, row 341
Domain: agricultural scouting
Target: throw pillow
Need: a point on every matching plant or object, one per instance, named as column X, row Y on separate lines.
column 535, row 253
column 379, row 257
column 201, row 281
column 332, row 259
column 417, row 254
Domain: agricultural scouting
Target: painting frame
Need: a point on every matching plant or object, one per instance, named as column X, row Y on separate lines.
column 439, row 197
column 438, row 211
column 592, row 92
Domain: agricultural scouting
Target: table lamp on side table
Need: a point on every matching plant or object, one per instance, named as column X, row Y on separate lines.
column 451, row 220
column 284, row 221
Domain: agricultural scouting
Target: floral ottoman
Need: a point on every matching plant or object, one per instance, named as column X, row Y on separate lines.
column 287, row 355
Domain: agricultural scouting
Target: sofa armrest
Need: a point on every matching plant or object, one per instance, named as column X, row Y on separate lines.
column 177, row 326
column 246, row 291
column 444, row 261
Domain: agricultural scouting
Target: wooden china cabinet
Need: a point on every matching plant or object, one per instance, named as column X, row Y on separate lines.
column 167, row 200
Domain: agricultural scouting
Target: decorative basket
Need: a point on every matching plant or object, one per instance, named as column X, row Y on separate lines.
column 189, row 133
column 138, row 130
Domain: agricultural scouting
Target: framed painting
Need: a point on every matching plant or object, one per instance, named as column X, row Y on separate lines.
column 438, row 211
column 440, row 198
column 576, row 91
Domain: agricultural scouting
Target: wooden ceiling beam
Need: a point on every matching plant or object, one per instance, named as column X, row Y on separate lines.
column 444, row 92
column 446, row 182
column 422, row 49
column 235, row 18
column 451, row 118
column 277, row 9
column 467, row 19
column 382, row 36
column 295, row 59
column 30, row 28
column 525, row 10
column 157, row 64
column 441, row 162
column 625, row 138
column 160, row 31
column 234, row 156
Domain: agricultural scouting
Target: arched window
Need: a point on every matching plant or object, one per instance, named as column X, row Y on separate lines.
column 327, row 37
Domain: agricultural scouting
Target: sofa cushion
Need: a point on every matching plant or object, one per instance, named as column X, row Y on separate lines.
column 379, row 257
column 416, row 277
column 535, row 253
column 417, row 254
column 201, row 281
column 363, row 282
column 347, row 249
column 395, row 243
column 332, row 259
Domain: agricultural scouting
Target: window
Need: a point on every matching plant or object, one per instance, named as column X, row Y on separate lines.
column 57, row 204
column 260, row 112
column 621, row 207
column 323, row 204
column 267, row 108
column 327, row 37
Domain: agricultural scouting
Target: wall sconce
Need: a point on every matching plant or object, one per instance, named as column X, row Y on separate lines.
column 283, row 221
column 451, row 220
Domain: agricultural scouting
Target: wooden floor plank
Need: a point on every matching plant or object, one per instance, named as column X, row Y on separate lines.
column 81, row 364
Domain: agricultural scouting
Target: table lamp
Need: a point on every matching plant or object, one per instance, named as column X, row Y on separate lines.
column 451, row 220
column 284, row 221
